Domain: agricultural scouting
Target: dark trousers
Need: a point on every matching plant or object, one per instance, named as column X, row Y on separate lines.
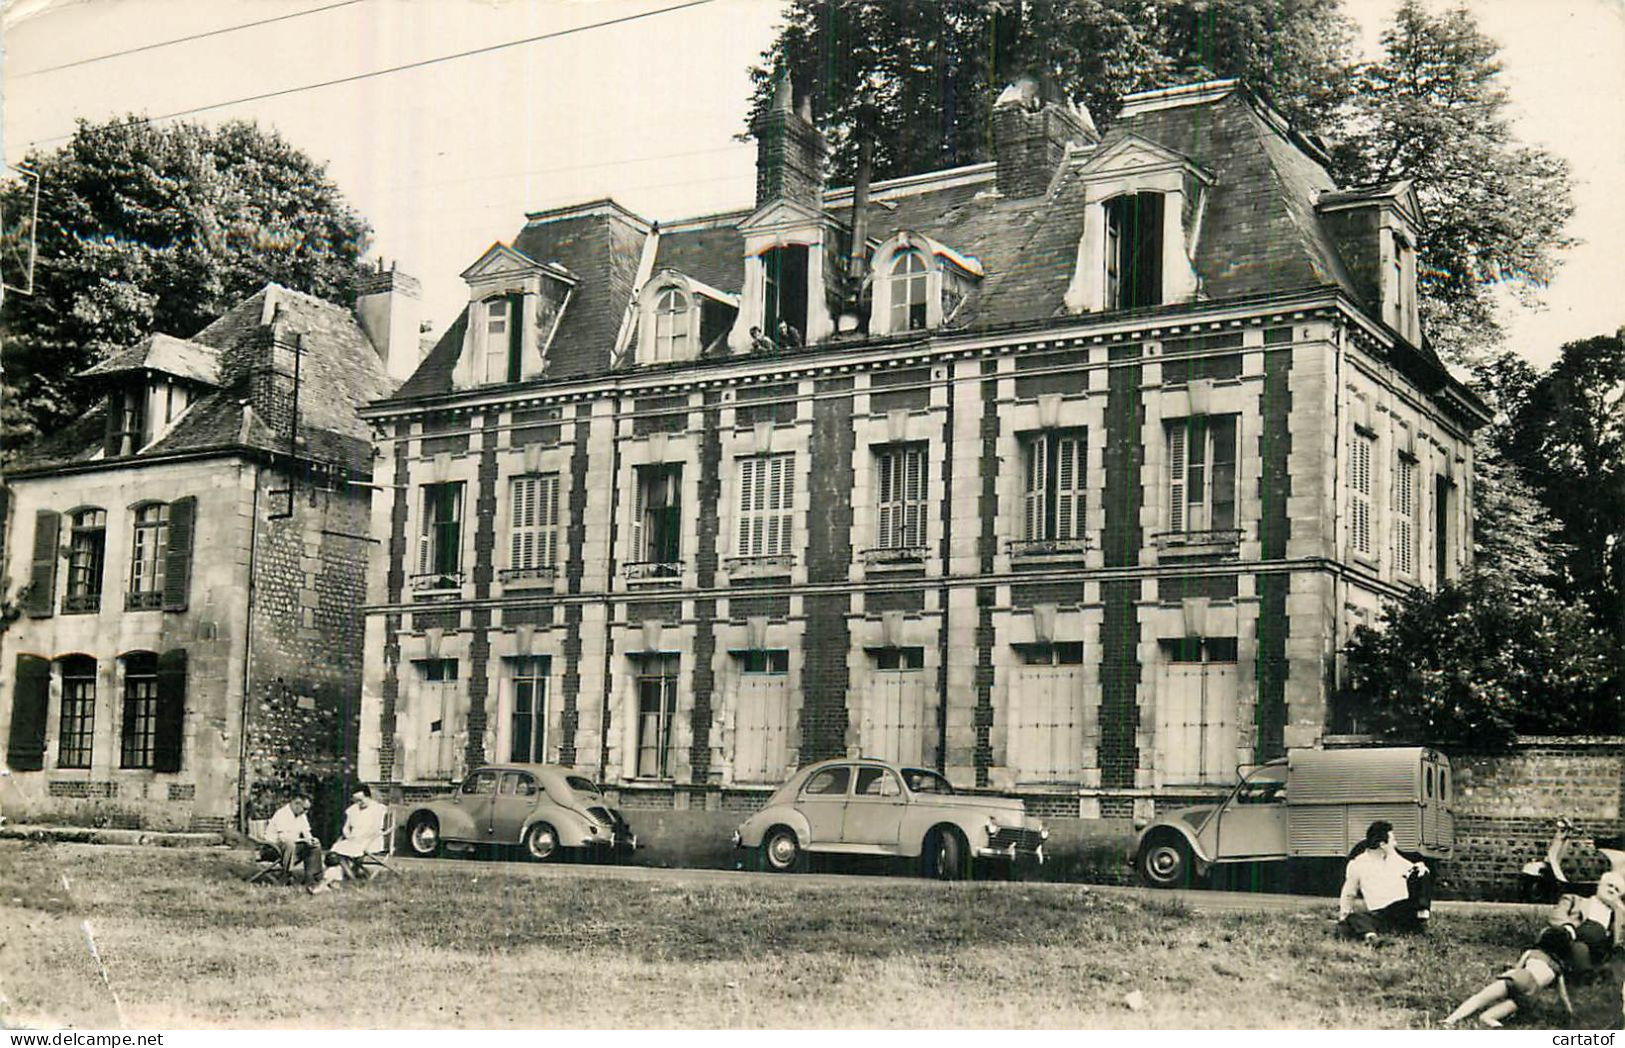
column 307, row 852
column 1396, row 917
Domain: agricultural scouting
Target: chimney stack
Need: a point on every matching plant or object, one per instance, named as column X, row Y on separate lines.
column 389, row 308
column 789, row 152
column 1030, row 136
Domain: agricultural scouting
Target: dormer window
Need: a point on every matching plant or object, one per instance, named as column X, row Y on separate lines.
column 127, row 421
column 908, row 292
column 501, row 350
column 671, row 326
column 1133, row 255
column 515, row 305
column 784, row 271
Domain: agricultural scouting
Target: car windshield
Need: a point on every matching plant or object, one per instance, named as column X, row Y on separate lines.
column 922, row 781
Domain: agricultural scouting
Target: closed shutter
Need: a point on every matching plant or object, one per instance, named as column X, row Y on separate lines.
column 640, row 507
column 547, row 519
column 169, row 724
column 1069, row 488
column 1360, row 481
column 888, row 499
column 1176, row 476
column 747, row 491
column 42, row 579
column 522, row 542
column 783, row 485
column 914, row 497
column 30, row 700
column 1037, row 481
column 178, row 557
column 113, row 442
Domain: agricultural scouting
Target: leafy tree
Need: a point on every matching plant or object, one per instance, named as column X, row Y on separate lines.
column 1515, row 535
column 927, row 74
column 1433, row 110
column 1481, row 662
column 146, row 228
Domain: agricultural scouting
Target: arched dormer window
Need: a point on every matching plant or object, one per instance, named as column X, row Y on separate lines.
column 671, row 337
column 908, row 292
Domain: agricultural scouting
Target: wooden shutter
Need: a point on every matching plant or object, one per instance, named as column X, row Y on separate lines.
column 783, row 490
column 30, row 700
column 516, row 336
column 1176, row 476
column 178, row 556
column 547, row 519
column 914, row 497
column 113, row 442
column 42, row 578
column 1069, row 487
column 640, row 507
column 1037, row 480
column 170, row 723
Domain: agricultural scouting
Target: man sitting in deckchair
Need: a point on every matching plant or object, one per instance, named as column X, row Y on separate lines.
column 363, row 832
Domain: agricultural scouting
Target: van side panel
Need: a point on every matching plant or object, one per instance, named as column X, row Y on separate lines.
column 1355, row 776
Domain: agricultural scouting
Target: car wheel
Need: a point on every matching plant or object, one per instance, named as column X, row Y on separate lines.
column 423, row 835
column 1166, row 862
column 945, row 856
column 541, row 842
column 780, row 851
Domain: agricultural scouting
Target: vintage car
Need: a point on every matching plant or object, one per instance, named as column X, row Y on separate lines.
column 1304, row 812
column 544, row 808
column 862, row 806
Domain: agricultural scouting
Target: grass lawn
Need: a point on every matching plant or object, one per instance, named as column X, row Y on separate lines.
column 186, row 943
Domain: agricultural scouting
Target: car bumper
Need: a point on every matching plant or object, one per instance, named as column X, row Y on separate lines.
column 1013, row 844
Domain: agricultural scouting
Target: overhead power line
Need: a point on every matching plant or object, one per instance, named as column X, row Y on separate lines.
column 184, row 39
column 421, row 63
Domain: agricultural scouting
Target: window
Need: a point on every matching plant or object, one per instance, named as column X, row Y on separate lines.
column 78, row 712
column 1360, row 448
column 87, row 547
column 533, row 544
column 831, row 782
column 898, row 658
column 901, row 476
column 1060, row 653
column 775, row 661
column 127, row 431
column 527, row 725
column 657, row 515
column 1404, row 497
column 1134, row 251
column 435, row 714
column 877, row 782
column 784, row 305
column 147, row 556
column 1202, row 474
column 766, row 499
column 440, row 543
column 762, row 722
column 1054, row 464
column 501, row 356
column 1441, row 529
column 481, row 783
column 1198, row 711
column 671, row 325
column 656, row 683
column 908, row 292
column 1050, row 722
column 140, row 710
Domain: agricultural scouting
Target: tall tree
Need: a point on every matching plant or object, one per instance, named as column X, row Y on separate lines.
column 146, row 228
column 1433, row 110
column 1515, row 535
column 930, row 72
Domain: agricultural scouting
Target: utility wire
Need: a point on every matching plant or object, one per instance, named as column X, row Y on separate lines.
column 421, row 63
column 184, row 39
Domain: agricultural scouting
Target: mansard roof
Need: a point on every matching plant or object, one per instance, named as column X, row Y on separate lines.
column 339, row 372
column 1260, row 231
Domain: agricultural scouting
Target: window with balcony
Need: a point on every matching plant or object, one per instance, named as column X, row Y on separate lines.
column 1201, row 483
column 900, row 509
column 1134, row 251
column 440, row 539
column 533, row 537
column 1053, row 471
column 78, row 721
column 657, row 522
column 147, row 547
column 655, row 681
column 87, row 548
column 908, row 291
column 766, row 506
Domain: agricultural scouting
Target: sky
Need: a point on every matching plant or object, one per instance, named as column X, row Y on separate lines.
column 642, row 105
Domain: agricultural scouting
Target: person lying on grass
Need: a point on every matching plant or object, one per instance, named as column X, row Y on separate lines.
column 1397, row 892
column 1583, row 932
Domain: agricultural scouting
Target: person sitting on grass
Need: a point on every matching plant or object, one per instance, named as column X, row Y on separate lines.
column 290, row 834
column 1397, row 891
column 363, row 830
column 1582, row 933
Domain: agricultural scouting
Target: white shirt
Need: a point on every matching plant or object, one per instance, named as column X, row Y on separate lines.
column 286, row 826
column 1376, row 876
column 365, row 826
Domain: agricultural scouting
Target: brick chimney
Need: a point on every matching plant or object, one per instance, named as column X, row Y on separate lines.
column 389, row 308
column 1030, row 136
column 789, row 152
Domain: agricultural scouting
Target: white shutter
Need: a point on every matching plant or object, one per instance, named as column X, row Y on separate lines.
column 1069, row 488
column 548, row 520
column 914, row 497
column 783, row 483
column 639, row 502
column 423, row 556
column 1037, row 481
column 1176, row 476
column 1360, row 482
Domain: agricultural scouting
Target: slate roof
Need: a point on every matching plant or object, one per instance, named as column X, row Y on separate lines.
column 339, row 372
column 1260, row 232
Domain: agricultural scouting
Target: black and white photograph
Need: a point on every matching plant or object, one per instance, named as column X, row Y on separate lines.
column 782, row 515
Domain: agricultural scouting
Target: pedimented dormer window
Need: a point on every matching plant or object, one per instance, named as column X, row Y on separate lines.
column 515, row 305
column 1133, row 254
column 919, row 284
column 681, row 318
